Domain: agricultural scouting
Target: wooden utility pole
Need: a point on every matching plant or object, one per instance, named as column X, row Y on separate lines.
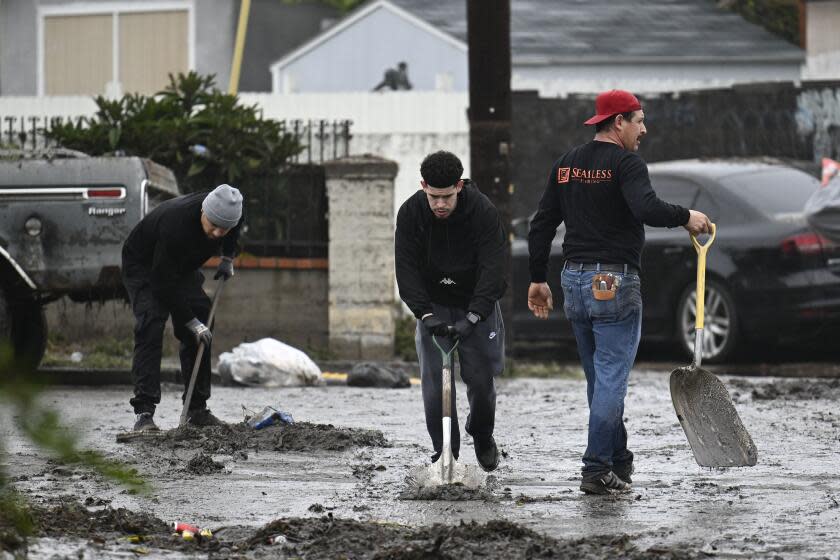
column 488, row 32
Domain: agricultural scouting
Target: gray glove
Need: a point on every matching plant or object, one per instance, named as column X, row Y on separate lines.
column 200, row 331
column 225, row 269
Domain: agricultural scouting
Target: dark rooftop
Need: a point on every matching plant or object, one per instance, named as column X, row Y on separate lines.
column 548, row 32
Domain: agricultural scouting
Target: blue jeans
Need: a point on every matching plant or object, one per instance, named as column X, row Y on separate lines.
column 607, row 334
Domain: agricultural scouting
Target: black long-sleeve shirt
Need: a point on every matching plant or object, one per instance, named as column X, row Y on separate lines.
column 458, row 261
column 168, row 244
column 603, row 194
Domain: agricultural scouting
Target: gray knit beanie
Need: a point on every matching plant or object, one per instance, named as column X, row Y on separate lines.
column 223, row 206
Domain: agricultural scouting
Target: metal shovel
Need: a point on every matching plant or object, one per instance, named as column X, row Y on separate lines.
column 446, row 470
column 703, row 405
column 199, row 354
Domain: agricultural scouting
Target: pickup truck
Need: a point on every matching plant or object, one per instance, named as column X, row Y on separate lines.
column 63, row 219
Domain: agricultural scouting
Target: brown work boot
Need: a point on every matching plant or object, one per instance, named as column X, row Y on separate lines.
column 203, row 417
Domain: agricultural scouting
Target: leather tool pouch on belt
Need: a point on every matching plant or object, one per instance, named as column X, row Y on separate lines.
column 604, row 286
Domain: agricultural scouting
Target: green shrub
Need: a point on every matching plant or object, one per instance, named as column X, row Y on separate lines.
column 206, row 137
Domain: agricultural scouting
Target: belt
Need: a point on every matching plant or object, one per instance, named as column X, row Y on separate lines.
column 598, row 267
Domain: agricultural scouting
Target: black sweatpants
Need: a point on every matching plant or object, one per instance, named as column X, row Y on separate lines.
column 481, row 357
column 150, row 316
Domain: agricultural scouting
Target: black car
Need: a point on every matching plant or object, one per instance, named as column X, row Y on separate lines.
column 768, row 276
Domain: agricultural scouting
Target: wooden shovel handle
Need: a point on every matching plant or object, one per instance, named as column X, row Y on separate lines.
column 701, row 249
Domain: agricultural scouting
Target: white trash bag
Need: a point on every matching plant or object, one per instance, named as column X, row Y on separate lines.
column 268, row 363
column 822, row 210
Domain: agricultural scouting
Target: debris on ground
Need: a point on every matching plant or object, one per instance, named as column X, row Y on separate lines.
column 234, row 438
column 791, row 389
column 329, row 537
column 202, row 463
column 268, row 363
column 370, row 374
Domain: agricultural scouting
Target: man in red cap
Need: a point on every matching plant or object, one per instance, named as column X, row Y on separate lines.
column 602, row 192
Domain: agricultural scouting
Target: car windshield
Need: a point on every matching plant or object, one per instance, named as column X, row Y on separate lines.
column 775, row 191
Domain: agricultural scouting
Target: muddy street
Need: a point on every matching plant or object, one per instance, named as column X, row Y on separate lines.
column 337, row 478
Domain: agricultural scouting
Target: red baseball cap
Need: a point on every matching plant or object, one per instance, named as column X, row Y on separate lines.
column 612, row 103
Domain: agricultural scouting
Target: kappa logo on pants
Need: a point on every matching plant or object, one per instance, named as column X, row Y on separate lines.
column 492, row 335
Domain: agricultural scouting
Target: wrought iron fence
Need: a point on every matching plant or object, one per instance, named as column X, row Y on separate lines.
column 321, row 139
column 287, row 216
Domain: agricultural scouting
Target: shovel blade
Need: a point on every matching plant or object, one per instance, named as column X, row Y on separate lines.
column 711, row 424
column 437, row 474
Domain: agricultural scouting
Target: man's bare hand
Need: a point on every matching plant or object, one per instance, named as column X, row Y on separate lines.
column 698, row 223
column 539, row 299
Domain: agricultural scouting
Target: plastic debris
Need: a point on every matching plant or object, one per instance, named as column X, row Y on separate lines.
column 268, row 416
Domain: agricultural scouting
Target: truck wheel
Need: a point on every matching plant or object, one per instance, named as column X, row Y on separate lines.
column 29, row 333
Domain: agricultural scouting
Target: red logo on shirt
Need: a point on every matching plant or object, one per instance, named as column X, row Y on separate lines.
column 563, row 175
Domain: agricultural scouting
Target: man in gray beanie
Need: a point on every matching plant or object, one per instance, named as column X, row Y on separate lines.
column 161, row 262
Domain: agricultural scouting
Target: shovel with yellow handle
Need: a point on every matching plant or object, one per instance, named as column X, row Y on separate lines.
column 712, row 426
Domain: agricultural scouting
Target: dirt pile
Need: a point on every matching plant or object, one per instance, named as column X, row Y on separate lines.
column 451, row 492
column 237, row 438
column 328, row 537
column 793, row 389
column 123, row 528
column 203, row 463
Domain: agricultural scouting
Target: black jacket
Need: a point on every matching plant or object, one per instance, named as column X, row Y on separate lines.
column 457, row 262
column 603, row 194
column 169, row 244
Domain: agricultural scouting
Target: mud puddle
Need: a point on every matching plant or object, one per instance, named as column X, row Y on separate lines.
column 791, row 389
column 238, row 439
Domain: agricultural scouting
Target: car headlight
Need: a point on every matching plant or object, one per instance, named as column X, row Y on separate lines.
column 33, row 226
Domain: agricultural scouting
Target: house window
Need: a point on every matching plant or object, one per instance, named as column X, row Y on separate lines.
column 129, row 48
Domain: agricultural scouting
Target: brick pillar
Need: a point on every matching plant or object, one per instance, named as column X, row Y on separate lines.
column 360, row 194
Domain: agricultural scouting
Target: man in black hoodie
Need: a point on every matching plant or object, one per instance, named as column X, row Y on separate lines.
column 161, row 261
column 450, row 248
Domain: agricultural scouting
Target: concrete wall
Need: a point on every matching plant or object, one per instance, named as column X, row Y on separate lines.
column 289, row 305
column 361, row 301
column 800, row 122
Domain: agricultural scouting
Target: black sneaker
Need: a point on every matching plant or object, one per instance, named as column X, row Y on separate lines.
column 145, row 422
column 487, row 453
column 607, row 483
column 203, row 417
column 624, row 471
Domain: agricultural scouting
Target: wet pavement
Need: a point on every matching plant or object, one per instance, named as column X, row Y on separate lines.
column 787, row 506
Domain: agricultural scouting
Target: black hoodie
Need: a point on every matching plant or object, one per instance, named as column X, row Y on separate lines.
column 457, row 261
column 169, row 244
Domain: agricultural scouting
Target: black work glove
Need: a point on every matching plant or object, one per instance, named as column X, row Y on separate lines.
column 466, row 326
column 202, row 334
column 225, row 269
column 435, row 326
